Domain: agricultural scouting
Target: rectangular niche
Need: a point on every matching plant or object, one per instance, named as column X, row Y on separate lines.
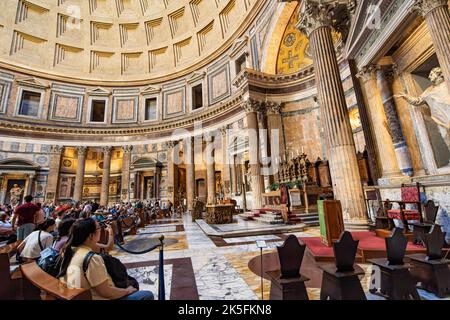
column 29, row 102
column 125, row 109
column 5, row 90
column 97, row 110
column 219, row 84
column 66, row 107
column 150, row 109
column 197, row 97
column 174, row 102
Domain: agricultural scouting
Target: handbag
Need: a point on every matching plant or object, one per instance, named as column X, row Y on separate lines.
column 116, row 270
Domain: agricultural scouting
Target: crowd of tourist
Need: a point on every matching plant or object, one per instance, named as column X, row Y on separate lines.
column 73, row 230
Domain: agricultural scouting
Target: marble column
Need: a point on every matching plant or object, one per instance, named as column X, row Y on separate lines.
column 210, row 169
column 265, row 146
column 126, row 165
column 385, row 149
column 2, row 188
column 243, row 183
column 385, row 77
column 53, row 174
column 226, row 174
column 104, row 193
column 275, row 126
column 157, row 182
column 251, row 108
column 79, row 178
column 190, row 174
column 29, row 185
column 316, row 22
column 437, row 17
column 234, row 184
column 170, row 182
column 367, row 128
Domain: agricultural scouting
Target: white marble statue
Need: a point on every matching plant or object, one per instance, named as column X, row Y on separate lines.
column 437, row 99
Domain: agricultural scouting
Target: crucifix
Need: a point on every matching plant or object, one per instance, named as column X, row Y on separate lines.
column 290, row 59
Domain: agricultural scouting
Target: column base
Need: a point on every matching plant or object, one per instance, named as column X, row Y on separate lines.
column 357, row 225
column 397, row 179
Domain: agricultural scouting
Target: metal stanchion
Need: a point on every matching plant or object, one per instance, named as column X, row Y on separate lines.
column 261, row 245
column 161, row 287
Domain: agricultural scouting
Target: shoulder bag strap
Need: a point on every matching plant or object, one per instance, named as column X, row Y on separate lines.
column 39, row 240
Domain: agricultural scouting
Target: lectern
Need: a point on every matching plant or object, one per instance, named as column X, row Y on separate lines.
column 331, row 221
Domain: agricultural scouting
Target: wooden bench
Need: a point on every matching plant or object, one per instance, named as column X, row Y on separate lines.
column 35, row 280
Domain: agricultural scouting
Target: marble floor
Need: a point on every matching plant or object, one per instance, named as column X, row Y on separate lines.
column 197, row 268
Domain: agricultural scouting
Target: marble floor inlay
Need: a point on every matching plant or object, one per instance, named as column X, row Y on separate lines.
column 218, row 272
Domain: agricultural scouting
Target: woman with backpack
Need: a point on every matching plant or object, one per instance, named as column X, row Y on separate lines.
column 81, row 268
column 37, row 241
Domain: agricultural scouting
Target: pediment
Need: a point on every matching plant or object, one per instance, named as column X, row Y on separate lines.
column 238, row 46
column 33, row 82
column 196, row 76
column 151, row 90
column 99, row 91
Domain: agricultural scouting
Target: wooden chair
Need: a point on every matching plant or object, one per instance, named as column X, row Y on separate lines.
column 424, row 227
column 5, row 278
column 382, row 221
column 410, row 195
column 35, row 280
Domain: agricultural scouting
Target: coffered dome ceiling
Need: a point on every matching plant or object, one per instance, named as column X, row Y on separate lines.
column 118, row 40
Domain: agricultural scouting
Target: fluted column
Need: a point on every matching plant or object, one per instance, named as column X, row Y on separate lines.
column 234, row 184
column 171, row 170
column 275, row 126
column 157, row 182
column 316, row 19
column 104, row 193
column 3, row 181
column 385, row 76
column 79, row 178
column 385, row 148
column 29, row 185
column 210, row 169
column 251, row 108
column 226, row 175
column 53, row 174
column 190, row 175
column 126, row 164
column 437, row 17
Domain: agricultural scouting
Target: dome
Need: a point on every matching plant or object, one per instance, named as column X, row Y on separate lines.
column 118, row 40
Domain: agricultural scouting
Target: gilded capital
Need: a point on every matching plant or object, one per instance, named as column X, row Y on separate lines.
column 424, row 7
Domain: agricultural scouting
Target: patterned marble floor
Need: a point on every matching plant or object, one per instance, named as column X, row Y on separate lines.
column 215, row 272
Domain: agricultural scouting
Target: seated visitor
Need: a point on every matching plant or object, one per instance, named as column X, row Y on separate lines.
column 63, row 233
column 83, row 238
column 24, row 217
column 6, row 230
column 37, row 241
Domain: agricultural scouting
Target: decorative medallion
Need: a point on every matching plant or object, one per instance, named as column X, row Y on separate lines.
column 289, row 40
column 100, row 165
column 67, row 163
column 41, row 160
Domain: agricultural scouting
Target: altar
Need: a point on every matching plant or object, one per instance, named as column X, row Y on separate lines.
column 219, row 213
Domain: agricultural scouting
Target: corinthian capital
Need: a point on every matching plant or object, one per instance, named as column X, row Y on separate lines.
column 127, row 149
column 56, row 149
column 368, row 72
column 251, row 105
column 171, row 144
column 107, row 150
column 424, row 7
column 325, row 13
column 81, row 150
column 273, row 107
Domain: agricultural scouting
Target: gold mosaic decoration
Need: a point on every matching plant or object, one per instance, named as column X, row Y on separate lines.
column 294, row 53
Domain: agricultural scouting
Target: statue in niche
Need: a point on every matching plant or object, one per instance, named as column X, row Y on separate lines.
column 437, row 99
column 16, row 194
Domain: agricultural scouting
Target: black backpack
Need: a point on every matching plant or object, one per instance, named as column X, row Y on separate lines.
column 116, row 270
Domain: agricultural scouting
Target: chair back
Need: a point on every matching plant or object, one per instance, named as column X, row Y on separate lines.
column 410, row 193
column 431, row 211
